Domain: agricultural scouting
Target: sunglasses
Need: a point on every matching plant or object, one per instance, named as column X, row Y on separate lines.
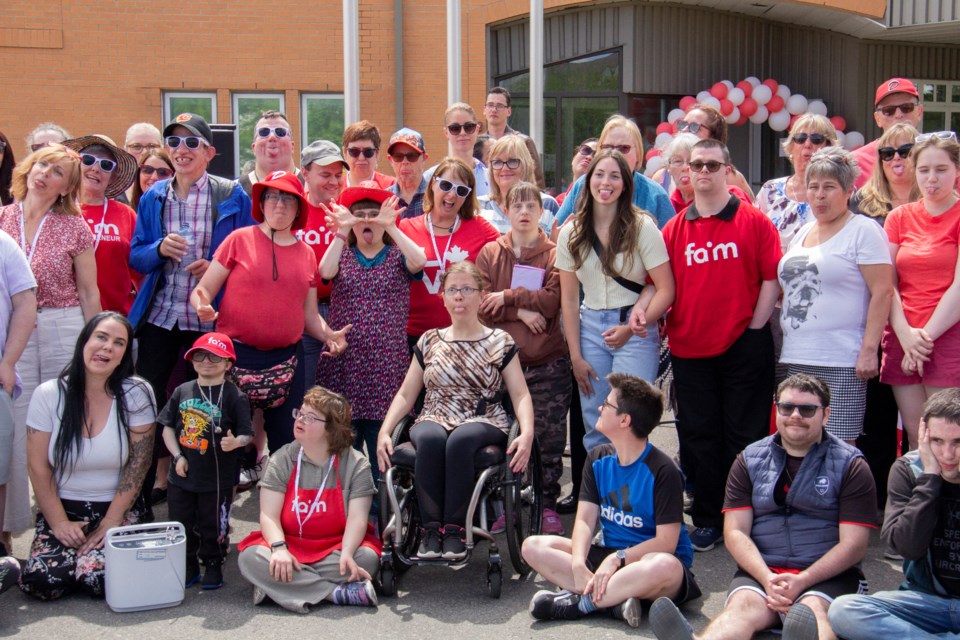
column 136, row 147
column 456, row 128
column 366, row 152
column 512, row 163
column 192, row 142
column 200, row 356
column 942, row 135
column 163, row 173
column 105, row 165
column 622, row 148
column 816, row 139
column 586, row 150
column 280, row 132
column 786, row 409
column 410, row 156
column 445, row 185
column 887, row 153
column 712, row 165
column 891, row 109
column 692, row 127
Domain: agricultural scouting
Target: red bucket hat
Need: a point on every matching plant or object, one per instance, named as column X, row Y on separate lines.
column 219, row 344
column 288, row 183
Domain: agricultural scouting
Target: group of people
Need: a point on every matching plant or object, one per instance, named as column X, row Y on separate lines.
column 275, row 326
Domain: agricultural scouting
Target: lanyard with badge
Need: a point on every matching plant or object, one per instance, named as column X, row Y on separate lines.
column 442, row 259
column 29, row 249
column 316, row 500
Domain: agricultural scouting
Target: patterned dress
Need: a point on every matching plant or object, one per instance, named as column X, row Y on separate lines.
column 374, row 296
column 787, row 215
column 463, row 378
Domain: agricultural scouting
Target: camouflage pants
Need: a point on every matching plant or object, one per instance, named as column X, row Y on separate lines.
column 550, row 387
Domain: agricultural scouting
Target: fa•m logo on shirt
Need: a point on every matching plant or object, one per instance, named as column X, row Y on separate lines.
column 701, row 255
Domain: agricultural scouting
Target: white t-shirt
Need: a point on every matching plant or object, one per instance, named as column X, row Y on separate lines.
column 96, row 473
column 15, row 277
column 825, row 297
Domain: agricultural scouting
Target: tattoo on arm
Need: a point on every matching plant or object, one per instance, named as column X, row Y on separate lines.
column 141, row 454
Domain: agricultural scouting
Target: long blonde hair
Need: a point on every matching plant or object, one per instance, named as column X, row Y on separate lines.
column 876, row 196
column 51, row 154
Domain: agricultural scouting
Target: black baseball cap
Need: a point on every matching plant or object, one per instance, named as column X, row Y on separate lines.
column 194, row 123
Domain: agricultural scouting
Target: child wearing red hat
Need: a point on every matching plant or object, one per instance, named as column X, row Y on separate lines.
column 206, row 423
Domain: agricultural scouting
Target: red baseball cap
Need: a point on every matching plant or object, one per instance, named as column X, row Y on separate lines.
column 219, row 344
column 895, row 85
column 281, row 181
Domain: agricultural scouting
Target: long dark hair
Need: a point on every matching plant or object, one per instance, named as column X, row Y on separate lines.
column 72, row 405
column 625, row 229
column 147, row 154
column 6, row 171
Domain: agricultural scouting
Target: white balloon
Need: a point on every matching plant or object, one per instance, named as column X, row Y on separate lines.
column 783, row 91
column 662, row 140
column 780, row 120
column 841, row 139
column 817, row 107
column 736, row 96
column 712, row 102
column 762, row 94
column 653, row 165
column 675, row 115
column 853, row 140
column 796, row 104
column 729, row 84
column 760, row 116
column 754, row 81
column 703, row 96
column 734, row 116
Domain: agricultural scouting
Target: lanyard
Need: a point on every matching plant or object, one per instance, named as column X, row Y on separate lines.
column 442, row 259
column 29, row 249
column 316, row 500
column 103, row 222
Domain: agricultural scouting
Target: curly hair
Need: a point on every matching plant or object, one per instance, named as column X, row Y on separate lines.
column 337, row 415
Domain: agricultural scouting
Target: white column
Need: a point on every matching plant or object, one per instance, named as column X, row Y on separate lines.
column 454, row 63
column 536, row 73
column 351, row 62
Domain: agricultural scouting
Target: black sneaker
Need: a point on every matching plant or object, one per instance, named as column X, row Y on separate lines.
column 706, row 538
column 667, row 623
column 212, row 577
column 567, row 505
column 454, row 547
column 555, row 605
column 629, row 611
column 800, row 623
column 193, row 574
column 431, row 546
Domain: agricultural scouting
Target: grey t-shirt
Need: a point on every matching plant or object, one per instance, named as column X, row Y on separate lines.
column 356, row 481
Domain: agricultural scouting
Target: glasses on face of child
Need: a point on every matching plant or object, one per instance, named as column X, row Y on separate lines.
column 200, row 356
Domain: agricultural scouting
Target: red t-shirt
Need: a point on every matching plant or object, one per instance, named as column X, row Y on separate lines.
column 426, row 307
column 866, row 161
column 112, row 232
column 256, row 309
column 719, row 263
column 318, row 237
column 927, row 258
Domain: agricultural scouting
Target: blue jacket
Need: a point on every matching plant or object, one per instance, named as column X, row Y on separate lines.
column 231, row 210
column 647, row 194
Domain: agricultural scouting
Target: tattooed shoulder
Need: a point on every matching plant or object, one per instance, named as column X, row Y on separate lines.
column 141, row 454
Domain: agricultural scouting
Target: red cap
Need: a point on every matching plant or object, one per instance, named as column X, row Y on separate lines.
column 895, row 85
column 219, row 344
column 366, row 190
column 281, row 181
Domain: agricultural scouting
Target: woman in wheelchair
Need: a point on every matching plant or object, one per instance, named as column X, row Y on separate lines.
column 462, row 367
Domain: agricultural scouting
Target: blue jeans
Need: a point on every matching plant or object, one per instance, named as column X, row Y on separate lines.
column 639, row 357
column 312, row 348
column 895, row 614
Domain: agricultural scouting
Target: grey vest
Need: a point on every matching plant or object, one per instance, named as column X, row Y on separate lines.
column 799, row 533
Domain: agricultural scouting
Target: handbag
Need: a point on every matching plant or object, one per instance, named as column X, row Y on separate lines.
column 266, row 388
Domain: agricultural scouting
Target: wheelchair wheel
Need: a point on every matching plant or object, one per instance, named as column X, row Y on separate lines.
column 407, row 524
column 494, row 576
column 388, row 579
column 523, row 506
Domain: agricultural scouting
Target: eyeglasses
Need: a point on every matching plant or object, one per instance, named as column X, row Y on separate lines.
column 942, row 135
column 622, row 148
column 307, row 418
column 280, row 198
column 495, row 106
column 712, row 165
column 280, row 132
column 366, row 152
column 890, row 109
column 200, row 356
column 366, row 214
column 136, row 147
column 887, row 153
column 464, row 291
column 586, row 150
column 462, row 190
column 163, row 173
column 512, row 163
column 456, row 128
column 816, row 139
column 692, row 127
column 615, row 408
column 105, row 165
column 786, row 409
column 192, row 142
column 410, row 156
column 676, row 163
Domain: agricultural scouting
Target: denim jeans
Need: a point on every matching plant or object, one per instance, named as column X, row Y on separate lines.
column 312, row 348
column 895, row 614
column 639, row 357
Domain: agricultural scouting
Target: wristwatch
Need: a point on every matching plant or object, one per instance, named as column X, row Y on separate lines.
column 622, row 556
column 278, row 544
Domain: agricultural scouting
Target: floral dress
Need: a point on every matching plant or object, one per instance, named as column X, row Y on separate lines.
column 787, row 215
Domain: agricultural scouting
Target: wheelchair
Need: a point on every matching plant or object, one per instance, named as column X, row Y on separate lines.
column 497, row 490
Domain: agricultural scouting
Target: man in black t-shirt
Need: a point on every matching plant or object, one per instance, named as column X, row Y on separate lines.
column 921, row 523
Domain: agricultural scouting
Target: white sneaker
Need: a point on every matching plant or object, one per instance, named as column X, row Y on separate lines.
column 251, row 475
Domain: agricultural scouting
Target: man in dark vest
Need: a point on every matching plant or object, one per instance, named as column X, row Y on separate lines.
column 798, row 511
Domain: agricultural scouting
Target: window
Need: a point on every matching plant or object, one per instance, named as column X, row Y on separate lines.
column 247, row 108
column 941, row 105
column 203, row 104
column 321, row 118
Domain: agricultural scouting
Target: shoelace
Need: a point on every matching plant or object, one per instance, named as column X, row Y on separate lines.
column 353, row 594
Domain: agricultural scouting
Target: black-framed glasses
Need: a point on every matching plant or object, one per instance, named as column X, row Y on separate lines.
column 200, row 356
column 136, row 147
column 462, row 190
column 890, row 109
column 586, row 150
column 622, row 148
column 512, row 163
column 366, row 152
column 464, row 291
column 496, row 106
column 456, row 128
column 106, row 165
column 280, row 132
column 942, row 135
column 786, row 409
column 280, row 198
column 816, row 139
column 307, row 418
column 162, row 172
column 192, row 142
column 711, row 165
column 886, row 153
column 692, row 127
column 607, row 403
column 409, row 156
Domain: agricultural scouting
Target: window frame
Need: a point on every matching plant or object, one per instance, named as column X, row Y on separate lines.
column 304, row 115
column 169, row 115
column 235, row 98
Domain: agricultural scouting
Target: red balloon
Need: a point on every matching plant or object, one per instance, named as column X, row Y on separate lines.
column 775, row 104
column 839, row 123
column 664, row 127
column 748, row 107
column 773, row 84
column 686, row 102
column 652, row 153
column 742, row 121
column 726, row 107
column 719, row 91
column 746, row 87
column 794, row 119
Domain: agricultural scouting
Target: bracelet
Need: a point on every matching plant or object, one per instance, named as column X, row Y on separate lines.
column 278, row 544
column 340, row 235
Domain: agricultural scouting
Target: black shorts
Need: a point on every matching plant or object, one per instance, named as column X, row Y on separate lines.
column 689, row 590
column 850, row 581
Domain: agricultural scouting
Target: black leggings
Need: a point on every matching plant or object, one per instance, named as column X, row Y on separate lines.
column 445, row 473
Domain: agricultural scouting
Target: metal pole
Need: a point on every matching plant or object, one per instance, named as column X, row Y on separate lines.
column 351, row 62
column 536, row 72
column 454, row 66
